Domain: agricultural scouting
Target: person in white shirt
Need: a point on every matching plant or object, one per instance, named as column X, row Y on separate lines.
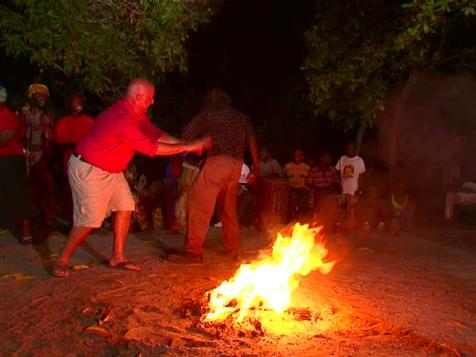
column 245, row 173
column 351, row 167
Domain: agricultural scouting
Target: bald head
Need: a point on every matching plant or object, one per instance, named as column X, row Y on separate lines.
column 140, row 94
column 138, row 86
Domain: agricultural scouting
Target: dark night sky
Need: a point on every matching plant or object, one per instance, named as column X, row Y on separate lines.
column 254, row 50
column 252, row 47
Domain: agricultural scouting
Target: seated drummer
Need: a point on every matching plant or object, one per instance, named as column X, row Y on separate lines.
column 268, row 166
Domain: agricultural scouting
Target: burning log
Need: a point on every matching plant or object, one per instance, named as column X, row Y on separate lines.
column 303, row 314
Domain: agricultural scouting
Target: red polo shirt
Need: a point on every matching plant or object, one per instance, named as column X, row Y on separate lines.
column 9, row 121
column 70, row 129
column 117, row 134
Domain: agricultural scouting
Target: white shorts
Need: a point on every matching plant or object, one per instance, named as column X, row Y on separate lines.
column 96, row 193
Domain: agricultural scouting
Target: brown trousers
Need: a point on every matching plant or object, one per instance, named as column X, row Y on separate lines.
column 218, row 179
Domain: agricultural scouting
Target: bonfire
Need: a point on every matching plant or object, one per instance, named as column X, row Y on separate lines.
column 268, row 283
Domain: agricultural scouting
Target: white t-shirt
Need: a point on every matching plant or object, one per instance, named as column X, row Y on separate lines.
column 245, row 173
column 350, row 169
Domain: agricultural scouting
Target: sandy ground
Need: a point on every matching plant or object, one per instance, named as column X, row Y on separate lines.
column 413, row 295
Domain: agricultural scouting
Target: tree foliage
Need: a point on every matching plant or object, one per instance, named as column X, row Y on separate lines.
column 360, row 51
column 101, row 44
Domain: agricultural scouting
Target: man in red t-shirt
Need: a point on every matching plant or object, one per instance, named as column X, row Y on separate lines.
column 16, row 204
column 69, row 130
column 96, row 170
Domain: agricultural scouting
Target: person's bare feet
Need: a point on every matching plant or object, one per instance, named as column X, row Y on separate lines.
column 60, row 270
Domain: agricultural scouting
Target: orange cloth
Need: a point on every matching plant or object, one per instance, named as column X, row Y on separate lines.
column 71, row 129
column 217, row 180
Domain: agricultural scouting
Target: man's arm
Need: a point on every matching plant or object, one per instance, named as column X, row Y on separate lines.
column 169, row 139
column 6, row 136
column 360, row 179
column 360, row 182
column 143, row 143
column 195, row 146
column 10, row 125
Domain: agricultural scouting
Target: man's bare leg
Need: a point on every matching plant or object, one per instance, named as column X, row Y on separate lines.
column 77, row 235
column 120, row 229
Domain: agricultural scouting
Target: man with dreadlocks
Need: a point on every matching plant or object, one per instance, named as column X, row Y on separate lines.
column 37, row 137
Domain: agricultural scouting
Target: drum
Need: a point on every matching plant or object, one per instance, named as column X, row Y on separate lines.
column 328, row 210
column 273, row 201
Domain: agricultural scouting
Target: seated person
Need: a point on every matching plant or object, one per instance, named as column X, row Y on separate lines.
column 397, row 211
column 269, row 167
column 297, row 172
column 323, row 182
column 323, row 179
column 465, row 196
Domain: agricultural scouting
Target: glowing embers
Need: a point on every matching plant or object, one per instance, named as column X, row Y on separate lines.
column 268, row 283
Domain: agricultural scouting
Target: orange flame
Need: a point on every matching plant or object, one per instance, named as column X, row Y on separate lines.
column 268, row 283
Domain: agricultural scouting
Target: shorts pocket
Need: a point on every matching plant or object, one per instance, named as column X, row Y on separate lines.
column 84, row 170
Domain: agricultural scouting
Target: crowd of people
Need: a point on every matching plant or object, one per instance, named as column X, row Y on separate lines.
column 333, row 194
column 87, row 163
column 34, row 151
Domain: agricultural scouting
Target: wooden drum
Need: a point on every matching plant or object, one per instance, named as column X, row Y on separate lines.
column 273, row 201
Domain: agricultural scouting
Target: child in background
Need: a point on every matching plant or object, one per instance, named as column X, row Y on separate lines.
column 351, row 167
column 397, row 211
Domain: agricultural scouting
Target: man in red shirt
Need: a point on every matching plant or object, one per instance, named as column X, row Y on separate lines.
column 16, row 206
column 37, row 134
column 95, row 170
column 71, row 128
column 68, row 132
